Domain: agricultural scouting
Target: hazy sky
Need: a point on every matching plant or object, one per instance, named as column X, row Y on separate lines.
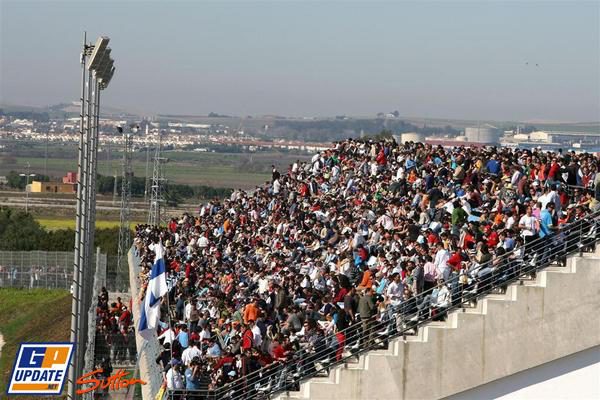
column 431, row 59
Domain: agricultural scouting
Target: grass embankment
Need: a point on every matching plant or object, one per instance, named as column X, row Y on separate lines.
column 38, row 315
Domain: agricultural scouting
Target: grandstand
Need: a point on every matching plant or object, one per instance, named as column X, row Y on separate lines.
column 345, row 276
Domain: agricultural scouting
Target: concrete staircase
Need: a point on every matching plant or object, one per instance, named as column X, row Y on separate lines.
column 533, row 323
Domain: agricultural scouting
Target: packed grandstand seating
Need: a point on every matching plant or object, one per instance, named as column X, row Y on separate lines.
column 311, row 261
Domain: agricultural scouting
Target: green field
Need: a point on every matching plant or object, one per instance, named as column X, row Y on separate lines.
column 228, row 170
column 69, row 223
column 37, row 315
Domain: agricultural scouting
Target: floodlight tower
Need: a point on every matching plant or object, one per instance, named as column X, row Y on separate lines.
column 146, row 177
column 126, row 180
column 157, row 186
column 97, row 70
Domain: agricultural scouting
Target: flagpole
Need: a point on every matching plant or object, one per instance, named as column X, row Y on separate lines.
column 169, row 318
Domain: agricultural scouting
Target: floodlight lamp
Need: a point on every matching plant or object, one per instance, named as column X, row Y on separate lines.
column 105, row 81
column 98, row 53
column 104, row 68
column 106, row 60
column 135, row 128
column 119, row 129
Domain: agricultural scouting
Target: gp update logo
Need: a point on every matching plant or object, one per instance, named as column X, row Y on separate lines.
column 40, row 368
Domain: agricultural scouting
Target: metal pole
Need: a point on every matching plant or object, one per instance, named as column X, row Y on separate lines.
column 84, row 276
column 27, row 192
column 46, row 156
column 108, row 158
column 146, row 178
column 94, row 171
column 124, row 216
column 73, row 364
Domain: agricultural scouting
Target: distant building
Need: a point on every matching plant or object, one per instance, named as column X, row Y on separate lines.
column 71, row 178
column 51, row 187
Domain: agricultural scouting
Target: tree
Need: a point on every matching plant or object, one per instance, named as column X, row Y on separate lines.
column 19, row 231
column 172, row 198
column 17, row 181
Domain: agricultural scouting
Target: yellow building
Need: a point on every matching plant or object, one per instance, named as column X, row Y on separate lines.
column 51, row 187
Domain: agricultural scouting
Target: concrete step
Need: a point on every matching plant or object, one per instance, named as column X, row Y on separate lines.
column 478, row 309
column 567, row 269
column 329, row 379
column 358, row 364
column 419, row 337
column 392, row 349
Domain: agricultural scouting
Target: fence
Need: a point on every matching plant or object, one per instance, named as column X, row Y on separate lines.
column 117, row 280
column 91, row 356
column 38, row 269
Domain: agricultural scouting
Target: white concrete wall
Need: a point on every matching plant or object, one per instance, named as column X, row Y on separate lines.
column 575, row 376
column 554, row 317
column 150, row 372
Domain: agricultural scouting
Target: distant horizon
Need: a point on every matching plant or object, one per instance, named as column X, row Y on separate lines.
column 266, row 115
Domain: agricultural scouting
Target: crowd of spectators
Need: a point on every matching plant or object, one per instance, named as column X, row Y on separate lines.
column 335, row 243
column 115, row 337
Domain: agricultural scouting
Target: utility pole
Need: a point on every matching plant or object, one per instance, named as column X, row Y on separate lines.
column 46, row 156
column 27, row 175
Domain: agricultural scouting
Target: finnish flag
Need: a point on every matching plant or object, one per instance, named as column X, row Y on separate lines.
column 157, row 287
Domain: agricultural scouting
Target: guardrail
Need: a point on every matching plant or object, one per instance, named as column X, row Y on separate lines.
column 405, row 319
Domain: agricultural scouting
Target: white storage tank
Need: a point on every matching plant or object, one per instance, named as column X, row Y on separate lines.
column 483, row 134
column 412, row 137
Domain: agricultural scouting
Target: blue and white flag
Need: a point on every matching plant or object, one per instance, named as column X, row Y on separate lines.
column 157, row 287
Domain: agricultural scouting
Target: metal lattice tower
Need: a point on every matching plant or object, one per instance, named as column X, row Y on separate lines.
column 97, row 69
column 157, row 200
column 125, row 214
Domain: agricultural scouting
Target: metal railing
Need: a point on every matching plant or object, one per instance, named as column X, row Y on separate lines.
column 310, row 360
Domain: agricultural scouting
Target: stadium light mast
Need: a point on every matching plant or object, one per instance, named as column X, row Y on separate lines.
column 146, row 177
column 96, row 71
column 125, row 210
column 157, row 187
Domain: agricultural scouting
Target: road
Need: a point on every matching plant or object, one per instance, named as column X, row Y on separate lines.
column 19, row 201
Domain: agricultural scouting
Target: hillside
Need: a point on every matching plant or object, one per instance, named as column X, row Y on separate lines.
column 38, row 315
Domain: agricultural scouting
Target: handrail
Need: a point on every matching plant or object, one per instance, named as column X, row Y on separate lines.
column 399, row 320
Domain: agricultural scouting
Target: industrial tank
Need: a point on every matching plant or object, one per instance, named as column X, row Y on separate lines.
column 412, row 137
column 483, row 134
